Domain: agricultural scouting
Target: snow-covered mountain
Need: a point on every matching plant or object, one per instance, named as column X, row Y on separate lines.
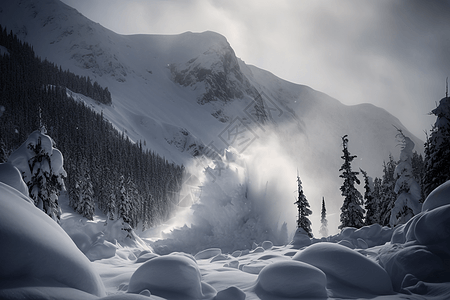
column 182, row 93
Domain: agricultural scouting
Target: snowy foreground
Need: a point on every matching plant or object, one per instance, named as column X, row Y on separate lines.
column 40, row 260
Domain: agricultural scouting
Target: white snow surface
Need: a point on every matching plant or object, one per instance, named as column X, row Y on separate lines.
column 39, row 260
column 36, row 251
column 11, row 176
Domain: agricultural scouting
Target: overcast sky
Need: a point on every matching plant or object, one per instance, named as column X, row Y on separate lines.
column 393, row 54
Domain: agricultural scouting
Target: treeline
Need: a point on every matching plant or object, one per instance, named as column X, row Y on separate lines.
column 45, row 72
column 105, row 169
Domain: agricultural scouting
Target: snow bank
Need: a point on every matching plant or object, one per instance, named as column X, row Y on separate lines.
column 293, row 279
column 438, row 197
column 35, row 248
column 364, row 237
column 170, row 275
column 301, row 239
column 101, row 239
column 419, row 250
column 408, row 264
column 348, row 267
column 11, row 176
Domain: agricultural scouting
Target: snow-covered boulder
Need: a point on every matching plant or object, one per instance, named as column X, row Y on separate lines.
column 208, row 253
column 36, row 249
column 348, row 267
column 11, row 176
column 366, row 236
column 433, row 227
column 438, row 197
column 403, row 261
column 231, row 292
column 168, row 275
column 292, row 279
column 426, row 239
column 145, row 257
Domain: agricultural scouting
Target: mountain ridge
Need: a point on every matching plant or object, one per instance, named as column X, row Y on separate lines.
column 185, row 93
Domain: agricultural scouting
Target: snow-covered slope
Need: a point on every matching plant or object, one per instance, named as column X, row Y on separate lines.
column 180, row 93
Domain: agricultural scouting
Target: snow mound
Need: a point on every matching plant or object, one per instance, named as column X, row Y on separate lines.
column 409, row 264
column 426, row 225
column 438, row 197
column 11, row 176
column 301, row 239
column 347, row 266
column 426, row 239
column 168, row 275
column 208, row 253
column 145, row 257
column 230, row 293
column 39, row 249
column 293, row 279
column 364, row 237
column 100, row 239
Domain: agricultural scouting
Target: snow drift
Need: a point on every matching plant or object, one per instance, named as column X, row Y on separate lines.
column 37, row 251
column 39, row 258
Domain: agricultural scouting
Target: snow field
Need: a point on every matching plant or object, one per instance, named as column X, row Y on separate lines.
column 40, row 259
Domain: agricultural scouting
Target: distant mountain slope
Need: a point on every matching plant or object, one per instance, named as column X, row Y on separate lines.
column 183, row 92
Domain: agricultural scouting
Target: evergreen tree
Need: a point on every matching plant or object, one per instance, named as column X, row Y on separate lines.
column 303, row 210
column 111, row 203
column 323, row 220
column 387, row 193
column 85, row 193
column 125, row 206
column 408, row 190
column 418, row 171
column 369, row 200
column 45, row 180
column 352, row 213
column 376, row 195
column 3, row 151
column 437, row 149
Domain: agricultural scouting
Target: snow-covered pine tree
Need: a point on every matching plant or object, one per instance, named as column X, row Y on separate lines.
column 86, row 205
column 370, row 203
column 323, row 220
column 376, row 195
column 3, row 152
column 124, row 205
column 418, row 167
column 111, row 204
column 437, row 148
column 352, row 214
column 408, row 190
column 135, row 200
column 81, row 198
column 42, row 167
column 303, row 210
column 387, row 194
